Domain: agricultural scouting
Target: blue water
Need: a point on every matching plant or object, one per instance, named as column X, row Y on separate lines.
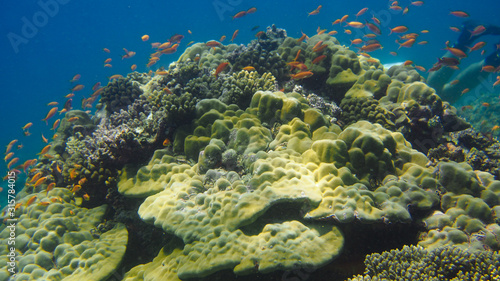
column 43, row 49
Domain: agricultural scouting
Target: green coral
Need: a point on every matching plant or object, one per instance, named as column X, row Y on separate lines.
column 239, row 88
column 335, row 74
column 119, row 94
column 419, row 264
column 54, row 240
column 356, row 109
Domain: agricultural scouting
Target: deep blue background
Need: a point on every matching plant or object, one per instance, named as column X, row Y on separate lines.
column 72, row 40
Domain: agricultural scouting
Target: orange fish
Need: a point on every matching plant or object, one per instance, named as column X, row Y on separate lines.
column 39, row 181
column 337, row 21
column 356, row 41
column 417, row 3
column 52, row 103
column 333, row 32
column 408, row 43
column 456, row 52
column 133, row 67
column 44, row 203
column 56, row 123
column 347, row 31
column 456, row 29
column 239, row 15
column 44, row 139
column 82, row 181
column 12, row 162
column 128, row 54
column 454, row 82
column 371, row 47
column 424, row 31
column 116, row 76
column 460, row 14
column 485, row 104
column 344, row 18
column 235, row 34
column 355, row 24
column 8, row 156
column 318, row 59
column 315, row 12
column 421, row 68
column 145, row 37
column 298, row 54
column 31, row 200
column 75, row 78
column 496, row 127
column 302, row 38
column 50, row 187
column 422, row 42
column 398, row 29
column 488, row 68
column 86, row 197
column 249, row 68
column 51, row 113
column 161, row 72
column 76, row 188
column 45, row 149
column 465, row 91
column 302, row 75
column 477, row 46
column 222, row 38
column 166, row 142
column 73, row 119
column 106, row 50
column 108, row 65
column 108, row 60
column 220, row 68
column 251, row 10
column 69, row 95
column 408, row 62
column 396, row 8
column 27, row 126
column 361, row 12
column 77, row 88
column 212, row 43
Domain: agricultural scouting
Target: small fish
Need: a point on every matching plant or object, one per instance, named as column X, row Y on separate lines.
column 108, row 65
column 408, row 43
column 12, row 162
column 465, row 91
column 128, row 54
column 212, row 43
column 52, row 103
column 496, row 127
column 145, row 37
column 51, row 113
column 318, row 59
column 249, row 68
column 133, row 67
column 45, row 149
column 460, row 14
column 44, row 139
column 222, row 38
column 176, row 38
column 357, row 41
column 82, row 181
column 316, row 11
column 86, row 197
column 235, row 34
column 108, row 60
column 454, row 28
column 417, row 3
column 254, row 28
column 456, row 52
column 116, row 76
column 78, row 87
column 302, row 38
column 421, row 68
column 371, row 47
column 69, row 95
column 355, row 24
column 161, row 72
column 76, row 188
column 27, row 126
column 220, row 68
column 251, row 10
column 50, row 187
column 422, row 42
column 44, row 203
column 239, row 15
column 454, row 82
column 31, row 200
column 106, row 50
column 485, row 104
column 361, row 12
column 39, row 181
column 166, row 142
column 73, row 119
column 488, row 68
column 302, row 75
column 75, row 78
column 8, row 156
column 408, row 62
column 398, row 29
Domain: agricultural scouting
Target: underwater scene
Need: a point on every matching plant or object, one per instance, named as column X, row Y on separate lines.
column 250, row 140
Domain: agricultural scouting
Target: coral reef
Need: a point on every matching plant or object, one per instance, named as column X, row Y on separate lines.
column 56, row 239
column 417, row 263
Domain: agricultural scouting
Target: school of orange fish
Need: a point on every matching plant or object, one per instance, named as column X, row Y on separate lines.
column 299, row 70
